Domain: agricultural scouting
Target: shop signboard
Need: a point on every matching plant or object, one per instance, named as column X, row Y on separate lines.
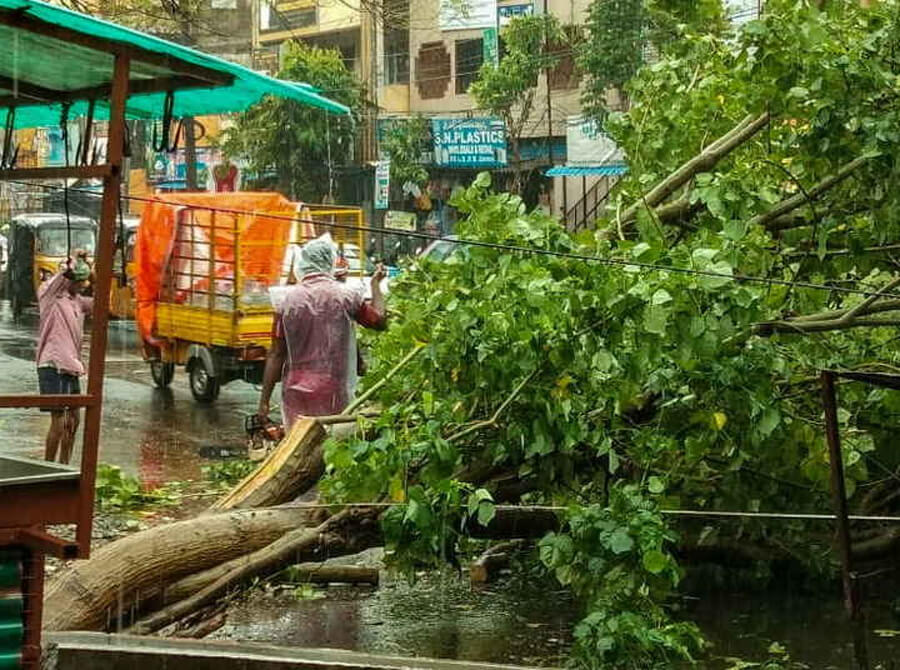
column 491, row 46
column 506, row 13
column 382, row 184
column 468, row 14
column 397, row 220
column 469, row 143
column 587, row 144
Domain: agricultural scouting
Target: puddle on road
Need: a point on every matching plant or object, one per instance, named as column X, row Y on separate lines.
column 437, row 617
column 444, row 617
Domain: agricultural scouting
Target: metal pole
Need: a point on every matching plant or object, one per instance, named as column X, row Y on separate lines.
column 839, row 501
column 100, row 315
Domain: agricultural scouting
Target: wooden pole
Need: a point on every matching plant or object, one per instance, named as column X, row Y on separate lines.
column 839, row 501
column 100, row 316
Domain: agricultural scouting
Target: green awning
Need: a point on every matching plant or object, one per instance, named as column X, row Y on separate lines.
column 50, row 51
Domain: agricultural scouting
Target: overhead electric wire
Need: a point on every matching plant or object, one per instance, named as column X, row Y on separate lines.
column 787, row 516
column 613, row 262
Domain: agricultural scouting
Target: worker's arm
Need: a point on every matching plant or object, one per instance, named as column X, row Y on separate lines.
column 272, row 374
column 374, row 314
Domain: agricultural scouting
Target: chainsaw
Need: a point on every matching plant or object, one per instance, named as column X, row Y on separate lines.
column 263, row 435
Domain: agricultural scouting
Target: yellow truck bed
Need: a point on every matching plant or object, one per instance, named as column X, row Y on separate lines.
column 222, row 328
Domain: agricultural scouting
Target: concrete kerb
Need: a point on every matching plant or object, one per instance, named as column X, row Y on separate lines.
column 101, row 651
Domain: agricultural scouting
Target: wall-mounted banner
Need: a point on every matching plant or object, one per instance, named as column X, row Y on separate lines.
column 397, row 220
column 469, row 143
column 468, row 14
column 490, row 46
column 382, row 184
column 506, row 13
column 588, row 145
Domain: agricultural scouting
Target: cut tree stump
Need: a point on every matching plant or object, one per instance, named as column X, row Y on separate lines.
column 492, row 561
column 81, row 596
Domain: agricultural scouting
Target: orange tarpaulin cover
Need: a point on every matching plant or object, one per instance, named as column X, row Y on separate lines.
column 262, row 242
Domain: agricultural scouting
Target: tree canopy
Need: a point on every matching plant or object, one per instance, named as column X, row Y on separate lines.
column 295, row 141
column 669, row 358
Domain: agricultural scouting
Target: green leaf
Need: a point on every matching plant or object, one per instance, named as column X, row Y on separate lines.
column 661, row 297
column 656, row 485
column 654, row 561
column 620, row 542
column 768, row 421
column 486, row 512
column 655, row 320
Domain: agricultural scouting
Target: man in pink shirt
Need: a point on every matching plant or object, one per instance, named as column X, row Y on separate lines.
column 314, row 341
column 62, row 306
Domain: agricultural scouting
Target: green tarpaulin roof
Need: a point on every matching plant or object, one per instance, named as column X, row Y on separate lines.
column 35, row 65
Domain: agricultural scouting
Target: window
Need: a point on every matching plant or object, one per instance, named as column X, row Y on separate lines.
column 277, row 16
column 469, row 57
column 432, row 70
column 396, row 56
column 565, row 75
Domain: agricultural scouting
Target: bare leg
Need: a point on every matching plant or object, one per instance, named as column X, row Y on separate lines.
column 54, row 435
column 68, row 438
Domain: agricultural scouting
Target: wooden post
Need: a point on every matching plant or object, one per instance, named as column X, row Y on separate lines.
column 100, row 316
column 839, row 501
column 33, row 601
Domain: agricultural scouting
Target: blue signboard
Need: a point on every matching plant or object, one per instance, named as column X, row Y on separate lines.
column 505, row 13
column 469, row 143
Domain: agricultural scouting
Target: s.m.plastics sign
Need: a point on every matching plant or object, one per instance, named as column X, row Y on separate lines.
column 469, row 143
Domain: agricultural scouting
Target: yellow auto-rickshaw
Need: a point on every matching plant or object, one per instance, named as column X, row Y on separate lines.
column 38, row 244
column 121, row 295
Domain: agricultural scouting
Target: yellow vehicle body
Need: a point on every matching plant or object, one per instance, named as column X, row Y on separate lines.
column 38, row 246
column 215, row 328
column 214, row 314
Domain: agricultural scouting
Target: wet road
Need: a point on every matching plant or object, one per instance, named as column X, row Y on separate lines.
column 159, row 435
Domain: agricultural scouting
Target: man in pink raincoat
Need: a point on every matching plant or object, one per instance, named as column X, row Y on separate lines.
column 314, row 340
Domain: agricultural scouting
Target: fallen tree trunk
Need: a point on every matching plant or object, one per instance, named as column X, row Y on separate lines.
column 294, row 466
column 702, row 162
column 80, row 597
column 347, row 532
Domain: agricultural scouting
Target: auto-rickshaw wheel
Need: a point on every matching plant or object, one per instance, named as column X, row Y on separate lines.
column 162, row 373
column 204, row 385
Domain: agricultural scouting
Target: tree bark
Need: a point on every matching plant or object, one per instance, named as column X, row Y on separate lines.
column 496, row 558
column 80, row 597
column 702, row 162
column 294, row 467
column 512, row 522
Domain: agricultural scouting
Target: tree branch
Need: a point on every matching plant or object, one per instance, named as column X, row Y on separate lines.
column 803, row 327
column 776, row 218
column 702, row 162
column 490, row 423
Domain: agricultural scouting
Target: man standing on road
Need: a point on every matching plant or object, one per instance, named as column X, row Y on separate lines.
column 62, row 306
column 314, row 342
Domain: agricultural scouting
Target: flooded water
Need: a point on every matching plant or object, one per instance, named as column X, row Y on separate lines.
column 437, row 616
column 445, row 617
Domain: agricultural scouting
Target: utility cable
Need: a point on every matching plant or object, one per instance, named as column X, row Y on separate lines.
column 535, row 251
